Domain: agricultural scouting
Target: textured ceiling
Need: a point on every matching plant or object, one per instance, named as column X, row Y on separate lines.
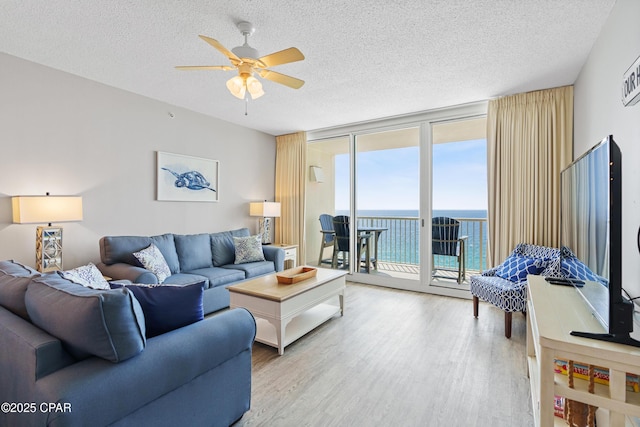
column 364, row 59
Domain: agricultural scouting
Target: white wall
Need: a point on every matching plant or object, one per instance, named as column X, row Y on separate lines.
column 66, row 135
column 320, row 200
column 598, row 112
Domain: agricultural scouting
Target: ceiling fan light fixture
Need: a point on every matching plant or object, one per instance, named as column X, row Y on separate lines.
column 247, row 61
column 236, row 86
column 254, row 87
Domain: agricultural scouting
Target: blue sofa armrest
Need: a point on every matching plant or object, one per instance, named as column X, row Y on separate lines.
column 27, row 353
column 157, row 386
column 275, row 254
column 120, row 270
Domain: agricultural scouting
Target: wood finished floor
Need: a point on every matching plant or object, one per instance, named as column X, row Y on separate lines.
column 396, row 358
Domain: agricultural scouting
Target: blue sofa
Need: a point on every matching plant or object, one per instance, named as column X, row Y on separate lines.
column 194, row 257
column 196, row 375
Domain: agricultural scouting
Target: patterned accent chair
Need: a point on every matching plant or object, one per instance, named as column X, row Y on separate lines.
column 505, row 286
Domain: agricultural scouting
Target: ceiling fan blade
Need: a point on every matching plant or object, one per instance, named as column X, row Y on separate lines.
column 205, row 67
column 215, row 43
column 283, row 57
column 283, row 79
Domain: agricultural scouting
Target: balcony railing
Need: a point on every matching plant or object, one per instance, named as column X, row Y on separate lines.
column 400, row 243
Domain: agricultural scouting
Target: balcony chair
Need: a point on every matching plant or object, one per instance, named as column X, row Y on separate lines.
column 445, row 241
column 342, row 243
column 505, row 286
column 328, row 237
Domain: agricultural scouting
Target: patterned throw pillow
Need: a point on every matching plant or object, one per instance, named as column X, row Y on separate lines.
column 88, row 276
column 151, row 258
column 573, row 268
column 248, row 249
column 516, row 268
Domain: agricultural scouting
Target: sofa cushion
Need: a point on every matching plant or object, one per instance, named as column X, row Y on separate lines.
column 14, row 279
column 516, row 268
column 222, row 248
column 194, row 251
column 115, row 249
column 168, row 307
column 185, row 279
column 167, row 246
column 104, row 323
column 152, row 259
column 248, row 249
column 86, row 275
column 220, row 276
column 253, row 269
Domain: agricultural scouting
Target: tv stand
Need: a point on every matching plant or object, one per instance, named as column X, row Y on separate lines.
column 552, row 313
column 617, row 338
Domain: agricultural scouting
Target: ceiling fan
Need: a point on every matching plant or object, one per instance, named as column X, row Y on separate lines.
column 246, row 60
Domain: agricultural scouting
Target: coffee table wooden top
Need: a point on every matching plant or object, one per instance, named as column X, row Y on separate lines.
column 267, row 287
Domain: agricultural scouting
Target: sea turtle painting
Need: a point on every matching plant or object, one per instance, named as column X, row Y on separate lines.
column 192, row 180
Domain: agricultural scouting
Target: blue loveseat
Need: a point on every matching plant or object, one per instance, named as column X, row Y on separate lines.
column 73, row 356
column 191, row 258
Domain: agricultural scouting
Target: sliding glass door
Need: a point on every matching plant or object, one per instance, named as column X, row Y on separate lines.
column 387, row 202
column 387, row 181
column 371, row 181
column 459, row 198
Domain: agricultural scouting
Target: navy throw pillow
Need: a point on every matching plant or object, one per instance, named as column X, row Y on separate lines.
column 516, row 268
column 167, row 307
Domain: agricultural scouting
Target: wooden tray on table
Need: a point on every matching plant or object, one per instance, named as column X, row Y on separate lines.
column 295, row 275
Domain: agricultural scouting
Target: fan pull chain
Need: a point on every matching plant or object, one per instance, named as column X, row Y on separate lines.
column 246, row 106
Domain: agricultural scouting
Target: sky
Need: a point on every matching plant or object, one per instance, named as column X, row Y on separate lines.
column 389, row 179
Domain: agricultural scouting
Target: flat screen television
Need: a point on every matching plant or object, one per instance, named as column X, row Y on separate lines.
column 591, row 226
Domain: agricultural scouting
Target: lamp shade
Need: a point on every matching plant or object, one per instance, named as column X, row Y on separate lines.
column 46, row 209
column 265, row 209
column 236, row 86
column 254, row 87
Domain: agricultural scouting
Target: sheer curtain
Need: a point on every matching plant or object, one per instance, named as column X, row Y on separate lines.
column 529, row 141
column 291, row 161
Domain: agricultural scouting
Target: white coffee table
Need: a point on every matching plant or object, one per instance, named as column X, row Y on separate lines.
column 285, row 313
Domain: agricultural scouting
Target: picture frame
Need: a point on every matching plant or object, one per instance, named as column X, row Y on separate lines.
column 187, row 179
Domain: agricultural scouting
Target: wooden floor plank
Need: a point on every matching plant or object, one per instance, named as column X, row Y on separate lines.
column 396, row 358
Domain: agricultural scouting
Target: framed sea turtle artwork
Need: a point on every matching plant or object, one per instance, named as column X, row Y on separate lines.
column 186, row 178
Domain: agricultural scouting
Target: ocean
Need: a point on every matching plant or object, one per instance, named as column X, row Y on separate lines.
column 400, row 243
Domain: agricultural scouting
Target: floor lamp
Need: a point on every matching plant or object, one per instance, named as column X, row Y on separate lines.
column 266, row 211
column 47, row 209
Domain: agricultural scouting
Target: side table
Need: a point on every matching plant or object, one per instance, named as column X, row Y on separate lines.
column 290, row 255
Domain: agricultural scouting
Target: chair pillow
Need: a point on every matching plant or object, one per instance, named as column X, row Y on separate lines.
column 88, row 276
column 99, row 322
column 516, row 268
column 167, row 307
column 248, row 249
column 152, row 259
column 573, row 268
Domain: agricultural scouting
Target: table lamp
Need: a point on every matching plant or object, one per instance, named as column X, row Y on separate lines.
column 47, row 209
column 267, row 211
